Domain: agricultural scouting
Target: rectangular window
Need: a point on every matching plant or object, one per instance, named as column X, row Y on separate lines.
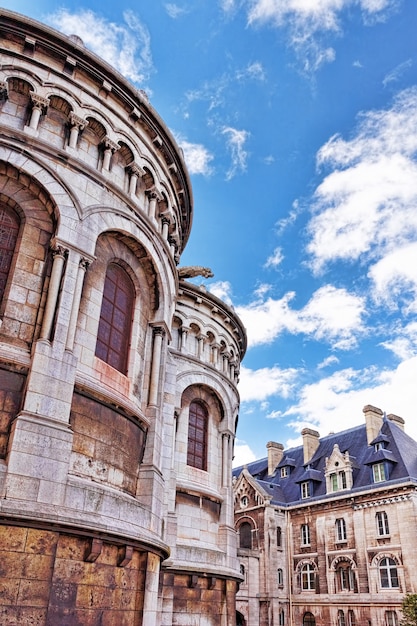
column 343, row 483
column 378, row 471
column 284, row 472
column 305, row 489
column 333, row 482
column 305, row 535
column 382, row 523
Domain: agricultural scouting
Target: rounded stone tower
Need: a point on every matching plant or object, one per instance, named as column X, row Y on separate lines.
column 118, row 398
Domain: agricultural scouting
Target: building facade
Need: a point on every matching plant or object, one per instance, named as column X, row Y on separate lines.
column 327, row 530
column 118, row 397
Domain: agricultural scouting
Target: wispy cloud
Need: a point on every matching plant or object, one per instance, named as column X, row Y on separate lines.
column 266, row 382
column 275, row 259
column 127, row 47
column 236, row 140
column 197, row 157
column 223, row 290
column 309, row 21
column 331, row 315
column 174, row 10
column 397, row 72
column 243, row 454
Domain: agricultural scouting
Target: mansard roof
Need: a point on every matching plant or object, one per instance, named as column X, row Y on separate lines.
column 399, row 453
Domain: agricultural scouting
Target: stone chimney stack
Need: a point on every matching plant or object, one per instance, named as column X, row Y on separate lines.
column 397, row 420
column 373, row 421
column 275, row 454
column 310, row 443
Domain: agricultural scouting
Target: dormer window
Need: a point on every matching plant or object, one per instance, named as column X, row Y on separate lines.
column 284, row 471
column 338, row 471
column 378, row 446
column 305, row 489
column 338, row 480
column 378, row 472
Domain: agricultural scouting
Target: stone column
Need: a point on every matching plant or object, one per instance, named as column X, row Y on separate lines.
column 165, row 227
column 39, row 106
column 184, row 338
column 134, row 172
column 158, row 335
column 150, row 600
column 109, row 149
column 153, row 198
column 200, row 346
column 54, row 283
column 77, row 124
column 215, row 350
column 82, row 268
column 226, row 473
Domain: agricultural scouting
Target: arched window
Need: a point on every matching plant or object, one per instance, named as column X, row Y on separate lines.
column 116, row 314
column 280, row 577
column 351, row 618
column 341, row 530
column 281, row 620
column 309, row 619
column 243, row 573
column 308, row 577
column 279, row 536
column 197, row 436
column 391, row 618
column 245, row 536
column 345, row 577
column 341, row 618
column 9, row 229
column 382, row 525
column 388, row 573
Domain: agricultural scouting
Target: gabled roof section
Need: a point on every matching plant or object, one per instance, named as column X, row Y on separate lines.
column 399, row 451
column 248, row 487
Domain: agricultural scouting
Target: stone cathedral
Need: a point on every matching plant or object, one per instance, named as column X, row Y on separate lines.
column 118, row 397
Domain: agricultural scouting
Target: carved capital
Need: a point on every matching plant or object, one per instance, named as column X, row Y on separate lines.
column 39, row 102
column 135, row 169
column 110, row 145
column 77, row 121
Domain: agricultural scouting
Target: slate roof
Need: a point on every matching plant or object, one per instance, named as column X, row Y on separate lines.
column 399, row 453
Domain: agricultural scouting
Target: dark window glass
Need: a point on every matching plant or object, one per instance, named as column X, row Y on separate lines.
column 245, row 535
column 388, row 573
column 309, row 619
column 116, row 314
column 197, row 436
column 9, row 229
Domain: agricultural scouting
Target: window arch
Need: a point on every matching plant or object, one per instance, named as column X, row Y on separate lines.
column 351, row 618
column 9, row 230
column 345, row 577
column 113, row 337
column 388, row 573
column 245, row 536
column 281, row 619
column 309, row 619
column 197, row 435
column 279, row 536
column 280, row 577
column 341, row 618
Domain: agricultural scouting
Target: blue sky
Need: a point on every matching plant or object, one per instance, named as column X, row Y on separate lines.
column 298, row 121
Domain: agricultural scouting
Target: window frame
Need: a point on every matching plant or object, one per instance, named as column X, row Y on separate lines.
column 305, row 489
column 391, row 618
column 117, row 304
column 8, row 250
column 305, row 535
column 245, row 537
column 351, row 618
column 379, row 472
column 341, row 620
column 382, row 524
column 197, row 437
column 308, row 577
column 280, row 577
column 284, row 472
column 341, row 530
column 388, row 573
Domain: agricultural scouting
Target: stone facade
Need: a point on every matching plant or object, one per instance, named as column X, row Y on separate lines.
column 115, row 447
column 327, row 530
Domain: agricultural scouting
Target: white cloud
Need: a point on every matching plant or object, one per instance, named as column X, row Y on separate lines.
column 242, row 454
column 395, row 278
column 331, row 315
column 403, row 342
column 275, row 259
column 265, row 382
column 365, row 208
column 330, row 360
column 221, row 289
column 253, row 71
column 236, row 140
column 339, row 399
column 307, row 21
column 397, row 72
column 174, row 10
column 197, row 157
column 127, row 47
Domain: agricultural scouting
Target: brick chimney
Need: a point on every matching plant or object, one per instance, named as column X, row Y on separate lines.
column 275, row 454
column 397, row 420
column 373, row 421
column 310, row 443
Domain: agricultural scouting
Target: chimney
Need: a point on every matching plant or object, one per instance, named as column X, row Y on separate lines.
column 373, row 421
column 310, row 443
column 275, row 454
column 397, row 420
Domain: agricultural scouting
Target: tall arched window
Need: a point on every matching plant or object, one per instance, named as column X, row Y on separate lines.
column 388, row 573
column 309, row 619
column 281, row 619
column 351, row 618
column 197, row 436
column 308, row 577
column 9, row 229
column 279, row 537
column 382, row 523
column 245, row 536
column 116, row 314
column 341, row 618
